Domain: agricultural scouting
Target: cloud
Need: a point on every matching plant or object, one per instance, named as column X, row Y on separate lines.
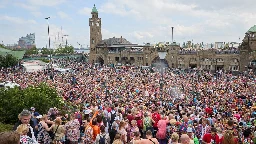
column 85, row 11
column 3, row 3
column 48, row 3
column 26, row 6
column 36, row 13
column 196, row 19
column 63, row 15
column 17, row 20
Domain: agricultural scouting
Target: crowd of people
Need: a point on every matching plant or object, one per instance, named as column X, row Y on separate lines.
column 130, row 105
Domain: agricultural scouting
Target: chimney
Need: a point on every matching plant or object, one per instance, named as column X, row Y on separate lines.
column 121, row 39
column 172, row 34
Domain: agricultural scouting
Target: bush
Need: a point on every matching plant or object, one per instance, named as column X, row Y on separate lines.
column 8, row 61
column 14, row 100
column 5, row 127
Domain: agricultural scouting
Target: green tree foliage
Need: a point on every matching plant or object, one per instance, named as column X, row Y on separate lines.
column 46, row 51
column 65, row 50
column 5, row 127
column 8, row 61
column 14, row 100
column 31, row 51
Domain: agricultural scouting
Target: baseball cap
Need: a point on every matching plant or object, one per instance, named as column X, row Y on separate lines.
column 32, row 108
column 36, row 114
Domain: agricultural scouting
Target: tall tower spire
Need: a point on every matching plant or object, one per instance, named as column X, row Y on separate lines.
column 95, row 32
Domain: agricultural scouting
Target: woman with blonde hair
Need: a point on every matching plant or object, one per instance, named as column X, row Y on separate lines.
column 58, row 131
column 43, row 136
column 23, row 129
column 134, row 128
column 118, row 139
column 122, row 131
column 228, row 138
column 174, row 139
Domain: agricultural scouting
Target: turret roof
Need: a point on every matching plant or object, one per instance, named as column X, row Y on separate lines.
column 94, row 9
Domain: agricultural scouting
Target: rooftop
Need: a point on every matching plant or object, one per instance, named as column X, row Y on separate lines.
column 115, row 41
column 252, row 29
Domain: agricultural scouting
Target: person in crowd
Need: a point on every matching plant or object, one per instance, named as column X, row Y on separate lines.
column 211, row 137
column 148, row 123
column 72, row 130
column 112, row 134
column 149, row 139
column 25, row 118
column 134, row 128
column 35, row 120
column 174, row 139
column 161, row 133
column 103, row 137
column 228, row 138
column 118, row 139
column 88, row 132
column 122, row 131
column 136, row 138
column 59, row 131
column 9, row 137
column 43, row 136
column 23, row 129
column 184, row 139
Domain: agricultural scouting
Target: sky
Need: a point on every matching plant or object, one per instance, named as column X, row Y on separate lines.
column 139, row 21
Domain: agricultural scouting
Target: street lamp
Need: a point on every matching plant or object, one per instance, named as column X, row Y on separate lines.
column 66, row 40
column 49, row 40
column 162, row 55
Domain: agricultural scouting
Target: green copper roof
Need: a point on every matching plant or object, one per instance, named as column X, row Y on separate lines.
column 94, row 9
column 252, row 29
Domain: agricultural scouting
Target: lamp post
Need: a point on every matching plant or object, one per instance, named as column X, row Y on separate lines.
column 49, row 42
column 66, row 40
column 161, row 55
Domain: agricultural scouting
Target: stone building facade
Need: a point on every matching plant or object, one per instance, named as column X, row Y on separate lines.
column 119, row 51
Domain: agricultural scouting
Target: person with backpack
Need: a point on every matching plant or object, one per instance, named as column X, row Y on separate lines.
column 103, row 137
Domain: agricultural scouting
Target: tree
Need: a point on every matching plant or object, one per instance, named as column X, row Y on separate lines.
column 31, row 51
column 14, row 100
column 65, row 50
column 46, row 51
column 8, row 61
column 69, row 49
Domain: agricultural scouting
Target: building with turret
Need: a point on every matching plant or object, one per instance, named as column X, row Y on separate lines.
column 121, row 51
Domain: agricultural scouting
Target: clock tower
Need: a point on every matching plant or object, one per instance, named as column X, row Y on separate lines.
column 95, row 32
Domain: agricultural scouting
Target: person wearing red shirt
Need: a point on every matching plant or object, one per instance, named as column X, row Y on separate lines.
column 156, row 117
column 211, row 138
column 130, row 117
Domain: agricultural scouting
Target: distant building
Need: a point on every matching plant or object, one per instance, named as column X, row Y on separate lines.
column 219, row 56
column 27, row 41
column 59, row 41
